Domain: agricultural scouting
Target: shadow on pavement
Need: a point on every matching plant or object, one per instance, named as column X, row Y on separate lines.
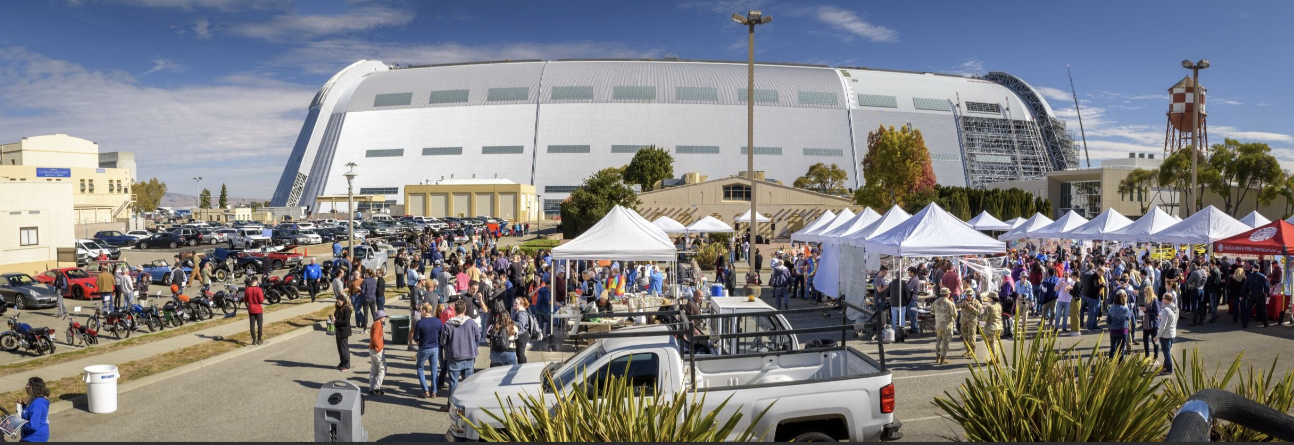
column 295, row 364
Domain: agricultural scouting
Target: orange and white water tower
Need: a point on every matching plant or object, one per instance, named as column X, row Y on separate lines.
column 1181, row 116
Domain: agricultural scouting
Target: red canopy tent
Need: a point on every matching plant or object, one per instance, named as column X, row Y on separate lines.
column 1272, row 239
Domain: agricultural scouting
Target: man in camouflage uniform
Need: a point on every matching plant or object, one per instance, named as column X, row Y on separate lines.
column 945, row 312
column 971, row 308
column 992, row 316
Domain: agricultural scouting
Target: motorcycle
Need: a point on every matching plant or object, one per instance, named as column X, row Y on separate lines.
column 148, row 315
column 189, row 309
column 203, row 307
column 119, row 323
column 287, row 285
column 22, row 335
column 172, row 314
column 227, row 300
column 79, row 333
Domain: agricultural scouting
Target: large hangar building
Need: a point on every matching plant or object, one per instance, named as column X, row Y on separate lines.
column 553, row 123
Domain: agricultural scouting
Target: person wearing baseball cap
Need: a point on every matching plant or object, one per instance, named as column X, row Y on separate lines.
column 376, row 359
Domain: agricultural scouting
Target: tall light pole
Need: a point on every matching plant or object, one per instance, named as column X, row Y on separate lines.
column 1196, row 103
column 751, row 19
column 350, row 209
column 199, row 195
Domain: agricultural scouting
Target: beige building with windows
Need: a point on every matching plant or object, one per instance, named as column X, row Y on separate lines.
column 35, row 221
column 495, row 198
column 100, row 196
column 789, row 208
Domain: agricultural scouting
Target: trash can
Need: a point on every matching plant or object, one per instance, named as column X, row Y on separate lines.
column 716, row 290
column 400, row 329
column 338, row 412
column 101, row 382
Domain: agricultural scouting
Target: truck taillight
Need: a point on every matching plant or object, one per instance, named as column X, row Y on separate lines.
column 887, row 398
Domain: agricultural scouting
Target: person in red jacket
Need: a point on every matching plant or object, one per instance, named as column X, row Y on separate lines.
column 255, row 312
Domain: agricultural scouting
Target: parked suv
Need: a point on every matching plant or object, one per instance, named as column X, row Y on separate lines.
column 190, row 236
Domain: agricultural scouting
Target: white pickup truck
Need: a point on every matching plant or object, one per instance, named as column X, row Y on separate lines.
column 816, row 395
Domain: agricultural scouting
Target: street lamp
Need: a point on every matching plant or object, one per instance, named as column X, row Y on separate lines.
column 751, row 19
column 199, row 181
column 1195, row 120
column 350, row 209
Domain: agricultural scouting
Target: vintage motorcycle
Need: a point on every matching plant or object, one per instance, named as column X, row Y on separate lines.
column 76, row 332
column 24, row 336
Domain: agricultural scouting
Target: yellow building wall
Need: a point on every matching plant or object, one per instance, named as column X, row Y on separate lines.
column 46, row 206
column 99, row 195
column 53, row 150
column 464, row 200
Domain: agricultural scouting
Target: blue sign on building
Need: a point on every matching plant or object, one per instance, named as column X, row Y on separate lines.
column 53, row 173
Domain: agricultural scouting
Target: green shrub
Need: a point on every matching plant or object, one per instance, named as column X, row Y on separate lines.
column 1189, row 377
column 621, row 414
column 1044, row 394
column 707, row 254
column 535, row 245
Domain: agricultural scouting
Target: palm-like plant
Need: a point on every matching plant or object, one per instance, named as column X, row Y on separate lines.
column 1045, row 394
column 1254, row 384
column 616, row 412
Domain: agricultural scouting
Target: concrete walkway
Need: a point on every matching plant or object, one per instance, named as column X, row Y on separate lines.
column 77, row 367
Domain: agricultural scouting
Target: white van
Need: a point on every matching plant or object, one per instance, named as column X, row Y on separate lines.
column 248, row 237
column 381, row 217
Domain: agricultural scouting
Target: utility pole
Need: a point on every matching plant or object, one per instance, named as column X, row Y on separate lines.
column 751, row 19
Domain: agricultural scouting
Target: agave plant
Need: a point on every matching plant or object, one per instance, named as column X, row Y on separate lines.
column 619, row 412
column 1254, row 384
column 1045, row 394
column 708, row 253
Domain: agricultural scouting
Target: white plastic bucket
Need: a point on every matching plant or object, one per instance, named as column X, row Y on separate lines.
column 101, row 388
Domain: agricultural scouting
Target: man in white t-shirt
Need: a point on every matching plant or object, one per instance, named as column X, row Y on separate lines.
column 1063, row 299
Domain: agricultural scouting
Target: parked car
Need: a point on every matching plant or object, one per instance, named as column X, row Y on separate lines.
column 225, row 234
column 208, row 236
column 163, row 239
column 138, row 235
column 160, row 271
column 94, row 267
column 81, row 285
column 21, row 291
column 290, row 236
column 89, row 250
column 325, row 235
column 249, row 238
column 190, row 236
column 284, row 257
column 113, row 238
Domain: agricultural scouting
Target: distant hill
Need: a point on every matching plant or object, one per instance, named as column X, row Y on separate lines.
column 183, row 200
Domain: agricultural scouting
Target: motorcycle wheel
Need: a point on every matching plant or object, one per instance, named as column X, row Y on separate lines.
column 43, row 344
column 151, row 323
column 9, row 342
column 177, row 319
column 292, row 292
column 91, row 340
column 229, row 307
column 273, row 297
column 161, row 324
column 122, row 326
column 204, row 312
column 70, row 337
column 92, row 323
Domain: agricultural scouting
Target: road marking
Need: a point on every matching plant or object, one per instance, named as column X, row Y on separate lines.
column 930, row 375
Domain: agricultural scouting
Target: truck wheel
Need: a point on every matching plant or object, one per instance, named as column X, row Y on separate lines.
column 813, row 436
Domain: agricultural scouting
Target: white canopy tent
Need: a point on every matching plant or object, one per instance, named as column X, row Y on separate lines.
column 1058, row 229
column 1021, row 231
column 1016, row 222
column 857, row 262
column 1141, row 230
column 813, row 227
column 1255, row 219
column 621, row 235
column 1097, row 229
column 1204, row 227
column 669, row 225
column 985, row 221
column 891, row 218
column 745, row 218
column 832, row 261
column 933, row 232
column 841, row 218
column 709, row 224
column 859, row 222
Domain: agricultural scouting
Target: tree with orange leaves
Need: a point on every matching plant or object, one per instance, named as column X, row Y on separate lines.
column 897, row 169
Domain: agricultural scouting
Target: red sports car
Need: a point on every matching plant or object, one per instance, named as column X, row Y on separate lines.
column 81, row 285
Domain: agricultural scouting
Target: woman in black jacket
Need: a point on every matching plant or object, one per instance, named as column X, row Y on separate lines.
column 341, row 326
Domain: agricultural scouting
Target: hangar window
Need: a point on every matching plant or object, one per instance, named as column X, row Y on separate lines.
column 704, row 94
column 442, row 151
column 503, row 150
column 508, row 94
column 391, row 153
column 873, row 100
column 560, row 188
column 736, row 192
column 627, row 148
column 922, row 103
column 982, row 107
column 568, row 149
column 571, row 93
column 392, row 100
column 760, row 95
column 633, row 93
column 817, row 98
column 379, row 190
column 996, row 159
column 823, row 152
column 759, row 151
column 696, row 149
column 449, row 96
column 951, row 157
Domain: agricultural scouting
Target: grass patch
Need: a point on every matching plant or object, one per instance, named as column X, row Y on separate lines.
column 136, row 340
column 72, row 387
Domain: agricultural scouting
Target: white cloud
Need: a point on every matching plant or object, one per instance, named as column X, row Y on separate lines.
column 202, row 29
column 1054, row 93
column 726, row 7
column 293, row 26
column 329, row 56
column 165, row 65
column 1249, row 136
column 224, row 5
column 1218, row 101
column 968, row 68
column 224, row 130
column 849, row 22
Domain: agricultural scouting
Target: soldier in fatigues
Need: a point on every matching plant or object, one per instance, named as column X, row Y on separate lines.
column 971, row 308
column 945, row 312
column 992, row 317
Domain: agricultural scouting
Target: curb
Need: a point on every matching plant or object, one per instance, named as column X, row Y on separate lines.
column 80, row 401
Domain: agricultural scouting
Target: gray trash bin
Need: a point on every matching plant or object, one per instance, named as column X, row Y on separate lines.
column 338, row 411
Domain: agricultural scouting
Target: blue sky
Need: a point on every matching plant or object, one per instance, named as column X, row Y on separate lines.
column 219, row 88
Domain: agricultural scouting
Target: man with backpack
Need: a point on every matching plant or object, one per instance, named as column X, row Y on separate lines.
column 459, row 339
column 1050, row 292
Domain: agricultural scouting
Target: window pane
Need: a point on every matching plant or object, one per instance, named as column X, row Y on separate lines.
column 571, row 93
column 872, row 100
column 760, row 95
column 641, row 371
column 379, row 190
column 569, row 149
column 507, row 94
column 922, row 103
column 981, row 107
column 633, row 93
column 626, row 148
column 390, row 153
column 442, row 151
column 824, row 152
column 392, row 99
column 502, row 150
column 817, row 98
column 449, row 96
column 696, row 149
column 560, row 188
column 760, row 151
column 706, row 94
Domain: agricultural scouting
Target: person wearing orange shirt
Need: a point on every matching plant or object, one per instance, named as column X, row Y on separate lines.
column 376, row 359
